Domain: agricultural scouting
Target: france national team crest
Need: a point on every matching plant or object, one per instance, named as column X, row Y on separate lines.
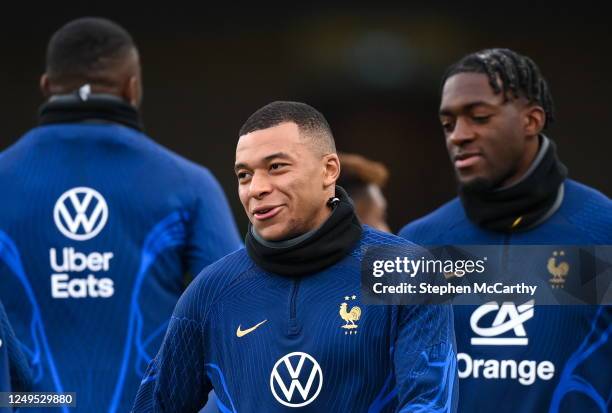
column 558, row 269
column 349, row 316
column 80, row 213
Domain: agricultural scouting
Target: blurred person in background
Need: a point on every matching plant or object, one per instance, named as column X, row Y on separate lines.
column 101, row 228
column 363, row 180
column 514, row 190
column 15, row 374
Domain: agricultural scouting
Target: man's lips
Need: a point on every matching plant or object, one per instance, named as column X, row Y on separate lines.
column 465, row 160
column 266, row 212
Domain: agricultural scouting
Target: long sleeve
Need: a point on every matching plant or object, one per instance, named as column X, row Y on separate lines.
column 425, row 359
column 176, row 380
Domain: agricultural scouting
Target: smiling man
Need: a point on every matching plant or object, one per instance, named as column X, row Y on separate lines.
column 513, row 189
column 280, row 326
column 294, row 207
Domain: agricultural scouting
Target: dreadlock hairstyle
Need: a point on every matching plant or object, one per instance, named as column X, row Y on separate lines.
column 519, row 75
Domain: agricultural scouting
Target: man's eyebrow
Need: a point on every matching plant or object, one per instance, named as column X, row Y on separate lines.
column 465, row 108
column 239, row 166
column 281, row 155
column 277, row 155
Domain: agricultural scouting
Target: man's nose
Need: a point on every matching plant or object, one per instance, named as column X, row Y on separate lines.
column 260, row 185
column 462, row 133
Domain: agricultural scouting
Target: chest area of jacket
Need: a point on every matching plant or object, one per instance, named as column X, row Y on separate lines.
column 534, row 331
column 322, row 319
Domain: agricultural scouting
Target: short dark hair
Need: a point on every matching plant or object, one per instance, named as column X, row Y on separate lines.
column 83, row 49
column 309, row 121
column 519, row 75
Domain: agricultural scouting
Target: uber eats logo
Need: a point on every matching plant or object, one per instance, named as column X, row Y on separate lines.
column 498, row 326
column 80, row 214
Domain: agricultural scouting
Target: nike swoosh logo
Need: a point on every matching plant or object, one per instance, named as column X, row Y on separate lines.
column 242, row 333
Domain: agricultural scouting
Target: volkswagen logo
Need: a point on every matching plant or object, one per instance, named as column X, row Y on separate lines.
column 296, row 371
column 80, row 213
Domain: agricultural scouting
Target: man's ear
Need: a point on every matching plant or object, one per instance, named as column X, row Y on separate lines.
column 534, row 120
column 45, row 86
column 332, row 169
column 132, row 91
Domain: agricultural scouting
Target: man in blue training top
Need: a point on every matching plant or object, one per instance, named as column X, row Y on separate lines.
column 280, row 325
column 100, row 227
column 513, row 189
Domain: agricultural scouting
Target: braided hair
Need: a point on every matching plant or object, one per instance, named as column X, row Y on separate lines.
column 519, row 75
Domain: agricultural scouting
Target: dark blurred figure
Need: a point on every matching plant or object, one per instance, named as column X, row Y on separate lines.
column 363, row 180
column 15, row 374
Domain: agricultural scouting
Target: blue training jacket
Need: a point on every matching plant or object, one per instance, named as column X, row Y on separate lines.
column 562, row 363
column 99, row 226
column 270, row 343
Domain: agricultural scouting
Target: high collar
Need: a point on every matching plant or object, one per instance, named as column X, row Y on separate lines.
column 77, row 107
column 313, row 251
column 525, row 203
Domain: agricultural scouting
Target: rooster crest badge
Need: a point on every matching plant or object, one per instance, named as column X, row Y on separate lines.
column 349, row 316
column 558, row 271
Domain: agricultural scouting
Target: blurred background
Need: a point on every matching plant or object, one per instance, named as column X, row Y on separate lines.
column 373, row 71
